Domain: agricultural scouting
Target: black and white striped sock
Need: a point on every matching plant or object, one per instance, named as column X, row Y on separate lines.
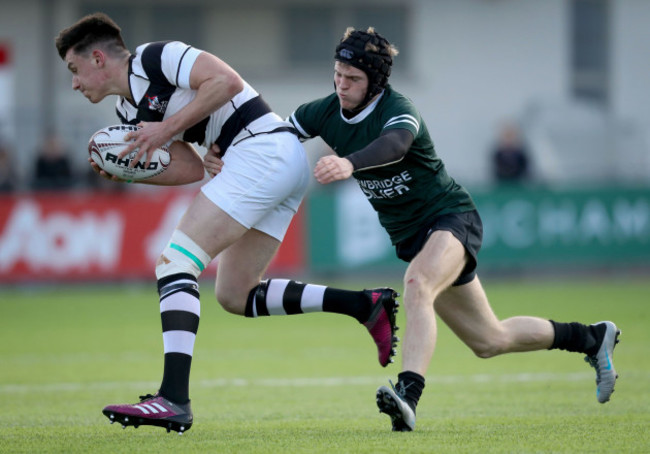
column 286, row 297
column 180, row 310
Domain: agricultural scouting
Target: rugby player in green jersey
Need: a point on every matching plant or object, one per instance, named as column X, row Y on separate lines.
column 380, row 139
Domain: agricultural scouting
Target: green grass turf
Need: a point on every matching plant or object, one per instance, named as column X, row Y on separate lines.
column 307, row 383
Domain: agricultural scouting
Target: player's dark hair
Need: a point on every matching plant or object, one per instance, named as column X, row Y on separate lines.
column 90, row 30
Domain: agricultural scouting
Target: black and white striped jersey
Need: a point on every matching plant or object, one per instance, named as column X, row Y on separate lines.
column 159, row 80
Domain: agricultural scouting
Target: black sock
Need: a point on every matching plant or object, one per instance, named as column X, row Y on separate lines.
column 410, row 385
column 175, row 382
column 576, row 337
column 353, row 303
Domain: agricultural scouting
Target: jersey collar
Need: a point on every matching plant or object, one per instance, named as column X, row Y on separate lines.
column 362, row 115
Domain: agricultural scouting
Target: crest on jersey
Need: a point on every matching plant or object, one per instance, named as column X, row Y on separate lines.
column 155, row 104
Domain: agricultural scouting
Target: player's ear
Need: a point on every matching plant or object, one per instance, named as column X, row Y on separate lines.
column 98, row 57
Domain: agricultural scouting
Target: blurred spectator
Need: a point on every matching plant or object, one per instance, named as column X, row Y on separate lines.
column 510, row 157
column 53, row 169
column 8, row 180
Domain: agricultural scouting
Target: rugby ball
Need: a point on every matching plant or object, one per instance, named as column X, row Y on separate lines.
column 105, row 146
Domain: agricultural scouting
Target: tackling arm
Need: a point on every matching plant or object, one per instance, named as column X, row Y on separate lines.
column 387, row 149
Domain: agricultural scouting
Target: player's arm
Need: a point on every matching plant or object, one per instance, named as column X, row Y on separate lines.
column 215, row 83
column 390, row 147
column 186, row 167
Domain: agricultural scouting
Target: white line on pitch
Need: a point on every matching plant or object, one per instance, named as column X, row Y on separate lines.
column 299, row 382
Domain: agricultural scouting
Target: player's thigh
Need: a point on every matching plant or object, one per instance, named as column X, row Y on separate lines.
column 241, row 266
column 260, row 175
column 437, row 265
column 467, row 312
column 211, row 228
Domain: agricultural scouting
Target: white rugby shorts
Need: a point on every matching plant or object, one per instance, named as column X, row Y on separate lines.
column 262, row 182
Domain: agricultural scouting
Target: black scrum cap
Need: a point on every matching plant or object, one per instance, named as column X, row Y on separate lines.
column 353, row 51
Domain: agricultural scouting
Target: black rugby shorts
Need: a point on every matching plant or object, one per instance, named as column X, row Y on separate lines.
column 466, row 227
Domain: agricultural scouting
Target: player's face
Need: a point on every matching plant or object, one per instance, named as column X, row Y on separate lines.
column 351, row 85
column 87, row 75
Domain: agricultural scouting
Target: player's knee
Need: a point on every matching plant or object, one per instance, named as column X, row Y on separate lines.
column 419, row 288
column 181, row 255
column 230, row 301
column 488, row 348
column 483, row 352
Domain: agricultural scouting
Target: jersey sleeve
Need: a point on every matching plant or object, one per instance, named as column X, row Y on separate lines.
column 176, row 62
column 307, row 118
column 301, row 122
column 390, row 147
column 402, row 115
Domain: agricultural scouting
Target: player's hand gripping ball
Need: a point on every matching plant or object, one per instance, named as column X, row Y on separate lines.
column 105, row 146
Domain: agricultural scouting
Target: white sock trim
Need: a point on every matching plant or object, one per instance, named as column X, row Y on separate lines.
column 312, row 298
column 275, row 296
column 181, row 301
column 179, row 342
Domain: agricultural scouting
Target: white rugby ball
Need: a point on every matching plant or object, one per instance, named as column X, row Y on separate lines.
column 105, row 146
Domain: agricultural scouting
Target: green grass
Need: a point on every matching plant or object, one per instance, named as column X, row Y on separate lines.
column 307, row 383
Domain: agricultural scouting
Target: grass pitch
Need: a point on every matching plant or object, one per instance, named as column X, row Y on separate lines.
column 307, row 383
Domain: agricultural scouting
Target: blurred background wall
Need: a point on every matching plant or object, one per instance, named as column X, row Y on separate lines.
column 571, row 76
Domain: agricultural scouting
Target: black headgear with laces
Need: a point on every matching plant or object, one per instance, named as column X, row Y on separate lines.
column 374, row 60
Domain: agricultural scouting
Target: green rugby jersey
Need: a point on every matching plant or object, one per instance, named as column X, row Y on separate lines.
column 406, row 194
